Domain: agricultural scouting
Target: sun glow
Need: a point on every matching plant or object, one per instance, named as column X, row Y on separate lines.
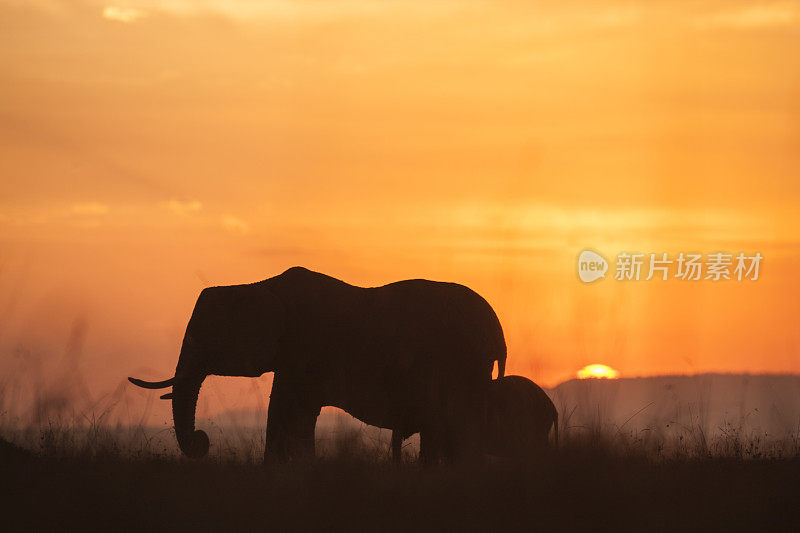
column 597, row 371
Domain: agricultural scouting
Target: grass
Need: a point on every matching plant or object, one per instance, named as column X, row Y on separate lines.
column 86, row 475
column 70, row 471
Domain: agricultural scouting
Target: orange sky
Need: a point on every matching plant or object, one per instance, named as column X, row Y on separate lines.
column 149, row 149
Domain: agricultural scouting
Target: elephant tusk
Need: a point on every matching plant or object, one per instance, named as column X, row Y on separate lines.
column 167, row 396
column 152, row 384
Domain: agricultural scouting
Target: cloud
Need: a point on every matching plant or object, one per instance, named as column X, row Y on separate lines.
column 123, row 14
column 90, row 208
column 183, row 208
column 234, row 224
column 757, row 16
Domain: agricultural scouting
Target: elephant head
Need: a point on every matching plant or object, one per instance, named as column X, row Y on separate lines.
column 233, row 331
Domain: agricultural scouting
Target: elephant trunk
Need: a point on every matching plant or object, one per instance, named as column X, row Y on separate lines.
column 193, row 443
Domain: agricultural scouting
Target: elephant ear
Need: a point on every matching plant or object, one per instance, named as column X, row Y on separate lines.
column 239, row 327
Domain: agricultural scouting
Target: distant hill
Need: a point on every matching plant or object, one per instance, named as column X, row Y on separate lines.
column 712, row 403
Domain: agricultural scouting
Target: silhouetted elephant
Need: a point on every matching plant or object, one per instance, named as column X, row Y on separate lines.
column 519, row 418
column 519, row 415
column 413, row 356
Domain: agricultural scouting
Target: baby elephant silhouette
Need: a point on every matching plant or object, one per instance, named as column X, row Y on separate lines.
column 519, row 416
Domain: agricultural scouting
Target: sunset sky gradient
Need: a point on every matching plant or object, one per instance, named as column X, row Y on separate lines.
column 149, row 149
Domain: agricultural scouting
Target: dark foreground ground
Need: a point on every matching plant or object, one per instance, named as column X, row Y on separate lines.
column 567, row 491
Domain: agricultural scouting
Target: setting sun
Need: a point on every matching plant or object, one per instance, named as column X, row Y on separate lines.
column 597, row 371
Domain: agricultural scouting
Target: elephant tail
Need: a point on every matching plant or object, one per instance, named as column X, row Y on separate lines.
column 501, row 366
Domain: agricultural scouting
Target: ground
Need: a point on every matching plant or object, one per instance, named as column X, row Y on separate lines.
column 572, row 489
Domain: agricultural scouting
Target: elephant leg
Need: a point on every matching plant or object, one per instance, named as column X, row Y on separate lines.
column 461, row 440
column 397, row 447
column 291, row 419
column 467, row 443
column 464, row 422
column 431, row 445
